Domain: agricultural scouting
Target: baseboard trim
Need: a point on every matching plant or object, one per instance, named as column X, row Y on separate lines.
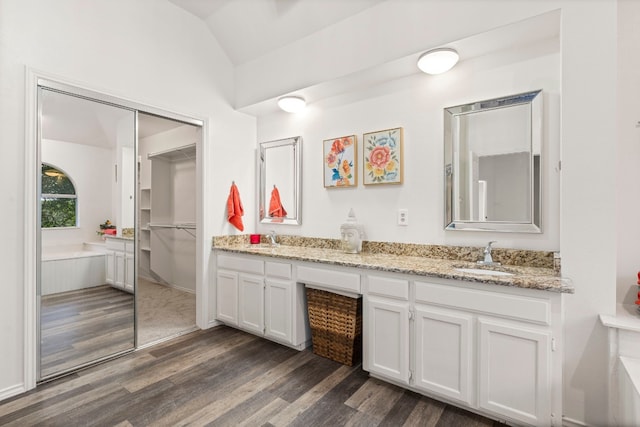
column 169, row 285
column 164, row 339
column 570, row 422
column 14, row 390
column 213, row 323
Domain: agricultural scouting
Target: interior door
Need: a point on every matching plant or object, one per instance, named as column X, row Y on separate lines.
column 86, row 149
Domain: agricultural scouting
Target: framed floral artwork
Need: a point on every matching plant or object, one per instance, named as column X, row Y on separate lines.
column 340, row 162
column 382, row 155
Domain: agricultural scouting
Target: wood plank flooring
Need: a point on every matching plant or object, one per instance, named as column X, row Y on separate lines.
column 225, row 377
column 84, row 325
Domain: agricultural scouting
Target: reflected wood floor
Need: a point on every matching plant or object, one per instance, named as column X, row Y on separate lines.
column 80, row 326
column 225, row 377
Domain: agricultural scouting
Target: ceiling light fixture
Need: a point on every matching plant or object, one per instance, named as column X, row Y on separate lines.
column 53, row 173
column 438, row 61
column 292, row 104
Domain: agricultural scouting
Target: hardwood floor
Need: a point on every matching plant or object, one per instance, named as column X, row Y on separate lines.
column 78, row 327
column 225, row 377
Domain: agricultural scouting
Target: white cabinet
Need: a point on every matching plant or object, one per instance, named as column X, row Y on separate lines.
column 130, row 272
column 386, row 328
column 386, row 338
column 488, row 348
column 279, row 309
column 514, row 370
column 110, row 267
column 485, row 349
column 251, row 303
column 119, row 272
column 119, row 264
column 444, row 352
column 261, row 297
column 227, row 297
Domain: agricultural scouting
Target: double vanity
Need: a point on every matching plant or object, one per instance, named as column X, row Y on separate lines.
column 485, row 338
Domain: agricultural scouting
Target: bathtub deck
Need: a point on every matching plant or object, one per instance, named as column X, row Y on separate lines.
column 84, row 325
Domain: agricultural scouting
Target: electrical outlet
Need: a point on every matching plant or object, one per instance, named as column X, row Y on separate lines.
column 403, row 216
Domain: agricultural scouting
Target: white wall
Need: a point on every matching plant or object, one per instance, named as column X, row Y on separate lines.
column 147, row 51
column 416, row 103
column 581, row 221
column 163, row 141
column 91, row 171
column 126, row 182
column 628, row 172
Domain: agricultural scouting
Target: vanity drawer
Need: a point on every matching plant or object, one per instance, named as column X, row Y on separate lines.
column 243, row 264
column 497, row 304
column 116, row 244
column 329, row 279
column 388, row 287
column 277, row 269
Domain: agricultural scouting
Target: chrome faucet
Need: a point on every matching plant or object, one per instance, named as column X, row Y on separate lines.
column 488, row 259
column 272, row 236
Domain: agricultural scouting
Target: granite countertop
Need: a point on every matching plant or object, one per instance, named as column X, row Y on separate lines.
column 127, row 238
column 523, row 276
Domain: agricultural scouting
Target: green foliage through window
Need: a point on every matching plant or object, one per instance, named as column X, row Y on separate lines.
column 58, row 199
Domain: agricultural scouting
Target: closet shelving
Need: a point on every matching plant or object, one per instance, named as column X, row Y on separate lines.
column 185, row 152
column 172, row 226
column 145, row 219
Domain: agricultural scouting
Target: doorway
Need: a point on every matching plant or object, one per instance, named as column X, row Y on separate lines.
column 167, row 161
column 89, row 229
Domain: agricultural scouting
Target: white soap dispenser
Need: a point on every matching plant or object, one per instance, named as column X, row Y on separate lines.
column 352, row 234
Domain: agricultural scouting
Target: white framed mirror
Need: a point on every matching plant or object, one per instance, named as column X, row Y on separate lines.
column 280, row 164
column 492, row 164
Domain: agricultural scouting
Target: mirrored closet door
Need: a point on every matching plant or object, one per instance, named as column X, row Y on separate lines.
column 87, row 203
column 167, row 251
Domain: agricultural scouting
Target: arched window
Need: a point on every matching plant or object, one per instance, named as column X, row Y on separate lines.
column 58, row 200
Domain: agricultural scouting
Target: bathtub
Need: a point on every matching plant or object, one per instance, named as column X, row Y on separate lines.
column 71, row 269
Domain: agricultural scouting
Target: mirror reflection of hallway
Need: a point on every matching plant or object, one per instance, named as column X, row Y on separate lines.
column 166, row 300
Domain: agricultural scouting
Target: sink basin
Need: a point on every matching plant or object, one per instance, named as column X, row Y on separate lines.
column 483, row 272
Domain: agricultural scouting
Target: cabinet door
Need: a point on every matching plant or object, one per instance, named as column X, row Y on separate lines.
column 119, row 270
column 227, row 297
column 386, row 338
column 110, row 268
column 514, row 364
column 251, row 303
column 129, row 276
column 444, row 352
column 279, row 310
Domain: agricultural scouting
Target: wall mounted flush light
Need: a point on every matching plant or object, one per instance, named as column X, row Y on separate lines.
column 292, row 104
column 437, row 61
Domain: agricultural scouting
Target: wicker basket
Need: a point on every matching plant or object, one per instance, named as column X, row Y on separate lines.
column 336, row 326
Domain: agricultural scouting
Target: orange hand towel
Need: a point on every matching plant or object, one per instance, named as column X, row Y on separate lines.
column 234, row 208
column 275, row 205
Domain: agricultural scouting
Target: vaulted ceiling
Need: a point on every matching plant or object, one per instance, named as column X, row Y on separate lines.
column 251, row 29
column 248, row 29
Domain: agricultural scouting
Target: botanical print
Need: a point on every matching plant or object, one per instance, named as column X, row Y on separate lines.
column 383, row 157
column 340, row 168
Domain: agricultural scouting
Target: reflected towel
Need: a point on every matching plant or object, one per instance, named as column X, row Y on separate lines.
column 275, row 205
column 234, row 208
